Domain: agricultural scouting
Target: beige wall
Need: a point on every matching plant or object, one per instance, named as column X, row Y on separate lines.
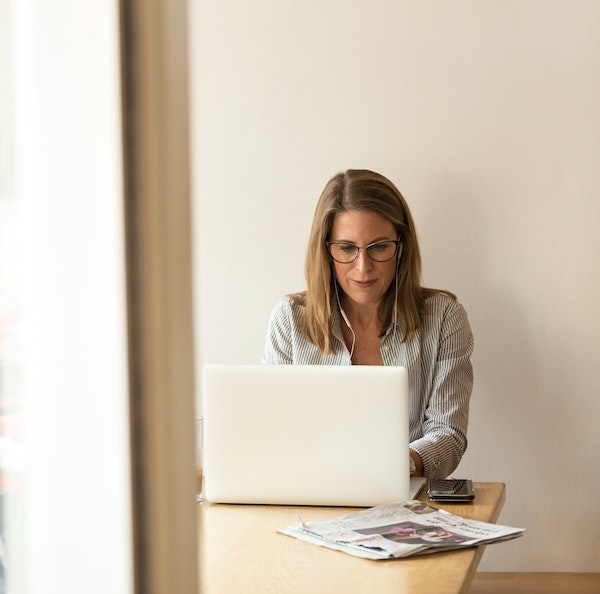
column 486, row 114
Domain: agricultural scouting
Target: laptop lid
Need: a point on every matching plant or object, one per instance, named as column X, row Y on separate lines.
column 305, row 435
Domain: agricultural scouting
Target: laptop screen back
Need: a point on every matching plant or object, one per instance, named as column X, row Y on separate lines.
column 305, row 435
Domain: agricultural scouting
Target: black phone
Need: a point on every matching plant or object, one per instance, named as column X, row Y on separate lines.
column 451, row 490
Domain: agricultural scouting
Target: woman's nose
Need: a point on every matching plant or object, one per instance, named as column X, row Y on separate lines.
column 363, row 261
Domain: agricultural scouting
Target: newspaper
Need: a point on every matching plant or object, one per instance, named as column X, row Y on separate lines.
column 399, row 530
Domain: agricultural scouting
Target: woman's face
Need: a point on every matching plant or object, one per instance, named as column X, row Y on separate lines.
column 364, row 281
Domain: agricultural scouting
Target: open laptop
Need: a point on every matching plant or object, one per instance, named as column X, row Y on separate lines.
column 305, row 435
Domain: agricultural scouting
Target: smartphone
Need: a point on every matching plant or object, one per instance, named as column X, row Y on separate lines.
column 451, row 490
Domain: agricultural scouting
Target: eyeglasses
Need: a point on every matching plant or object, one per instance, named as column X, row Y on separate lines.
column 346, row 253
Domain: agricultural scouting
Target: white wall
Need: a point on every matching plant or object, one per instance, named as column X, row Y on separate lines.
column 486, row 114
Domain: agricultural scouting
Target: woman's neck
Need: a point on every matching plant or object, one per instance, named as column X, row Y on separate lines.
column 362, row 316
column 361, row 330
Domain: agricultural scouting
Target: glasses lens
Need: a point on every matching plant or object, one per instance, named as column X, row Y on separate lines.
column 343, row 252
column 382, row 250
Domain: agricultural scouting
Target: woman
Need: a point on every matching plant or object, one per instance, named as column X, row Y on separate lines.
column 364, row 305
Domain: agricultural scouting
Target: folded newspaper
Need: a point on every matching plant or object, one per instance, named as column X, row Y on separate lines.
column 399, row 530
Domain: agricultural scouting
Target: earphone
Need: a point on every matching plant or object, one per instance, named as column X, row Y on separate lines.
column 396, row 288
column 343, row 314
column 349, row 327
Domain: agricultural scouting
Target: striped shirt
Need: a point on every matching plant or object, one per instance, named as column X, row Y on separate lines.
column 439, row 371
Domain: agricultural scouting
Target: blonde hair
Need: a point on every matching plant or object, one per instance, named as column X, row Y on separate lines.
column 360, row 190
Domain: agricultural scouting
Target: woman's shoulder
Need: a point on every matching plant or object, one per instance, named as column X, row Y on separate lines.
column 444, row 313
column 289, row 305
column 441, row 303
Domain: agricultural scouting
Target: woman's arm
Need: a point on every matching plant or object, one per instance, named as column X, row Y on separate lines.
column 444, row 439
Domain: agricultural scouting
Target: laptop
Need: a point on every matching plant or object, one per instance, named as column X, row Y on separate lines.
column 305, row 434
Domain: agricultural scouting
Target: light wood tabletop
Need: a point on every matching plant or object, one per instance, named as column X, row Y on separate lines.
column 240, row 551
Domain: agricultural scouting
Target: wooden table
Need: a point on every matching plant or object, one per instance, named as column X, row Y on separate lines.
column 240, row 552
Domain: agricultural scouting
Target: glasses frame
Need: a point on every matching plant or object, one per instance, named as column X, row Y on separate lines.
column 366, row 248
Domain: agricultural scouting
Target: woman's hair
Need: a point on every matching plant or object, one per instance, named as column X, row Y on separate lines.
column 360, row 190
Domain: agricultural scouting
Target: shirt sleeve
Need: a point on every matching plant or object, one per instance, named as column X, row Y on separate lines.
column 278, row 342
column 444, row 439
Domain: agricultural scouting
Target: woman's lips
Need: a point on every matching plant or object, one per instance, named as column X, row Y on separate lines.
column 364, row 284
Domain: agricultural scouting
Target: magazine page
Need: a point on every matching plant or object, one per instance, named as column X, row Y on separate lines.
column 399, row 530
